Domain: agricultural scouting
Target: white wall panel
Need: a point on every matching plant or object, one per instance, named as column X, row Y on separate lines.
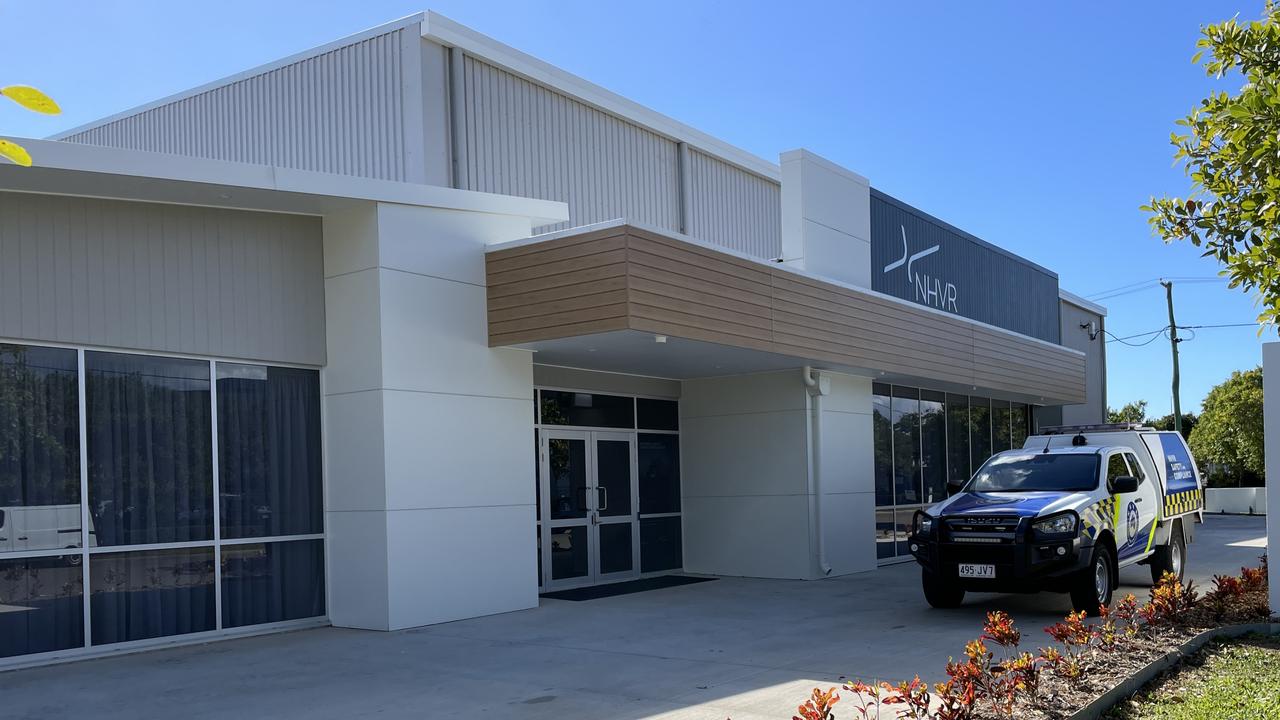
column 734, row 208
column 343, row 111
column 525, row 139
column 162, row 277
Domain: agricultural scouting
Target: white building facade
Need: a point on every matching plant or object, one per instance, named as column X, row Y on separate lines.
column 413, row 327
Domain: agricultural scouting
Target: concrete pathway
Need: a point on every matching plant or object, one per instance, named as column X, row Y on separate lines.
column 740, row 648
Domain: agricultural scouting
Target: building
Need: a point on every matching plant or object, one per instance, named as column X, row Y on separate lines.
column 411, row 327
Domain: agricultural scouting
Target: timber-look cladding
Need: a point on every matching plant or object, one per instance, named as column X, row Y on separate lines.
column 628, row 278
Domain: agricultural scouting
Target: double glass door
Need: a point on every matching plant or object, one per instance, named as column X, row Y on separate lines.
column 589, row 500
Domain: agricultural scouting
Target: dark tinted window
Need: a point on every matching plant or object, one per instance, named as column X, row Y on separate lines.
column 882, row 437
column 979, row 430
column 906, row 446
column 272, row 582
column 1024, row 473
column 1136, row 468
column 657, row 414
column 933, row 446
column 150, row 593
column 39, row 448
column 41, row 605
column 587, row 409
column 658, row 457
column 269, row 451
column 150, row 449
column 957, row 439
column 1116, row 466
column 660, row 544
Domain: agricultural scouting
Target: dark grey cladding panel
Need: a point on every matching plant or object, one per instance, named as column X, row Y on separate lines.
column 954, row 271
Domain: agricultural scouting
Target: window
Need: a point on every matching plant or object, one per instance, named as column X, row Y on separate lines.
column 658, row 457
column 958, row 471
column 660, row 547
column 906, row 446
column 150, row 449
column 1038, row 472
column 1135, row 468
column 1020, row 420
column 933, row 446
column 657, row 414
column 559, row 407
column 882, row 437
column 979, row 431
column 149, row 464
column 39, row 449
column 1116, row 466
column 269, row 451
column 1001, row 432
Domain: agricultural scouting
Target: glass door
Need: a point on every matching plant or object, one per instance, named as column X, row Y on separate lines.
column 589, row 497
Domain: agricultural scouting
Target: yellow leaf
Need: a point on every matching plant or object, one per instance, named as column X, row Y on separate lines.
column 15, row 153
column 31, row 99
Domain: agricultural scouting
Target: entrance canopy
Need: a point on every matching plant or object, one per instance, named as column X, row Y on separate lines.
column 626, row 298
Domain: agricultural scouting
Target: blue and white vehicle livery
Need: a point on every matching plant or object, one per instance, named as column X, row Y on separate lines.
column 1063, row 514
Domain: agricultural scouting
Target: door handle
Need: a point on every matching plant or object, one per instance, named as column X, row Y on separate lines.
column 1137, row 500
column 602, row 494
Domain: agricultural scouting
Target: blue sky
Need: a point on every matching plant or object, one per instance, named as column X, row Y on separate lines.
column 1040, row 127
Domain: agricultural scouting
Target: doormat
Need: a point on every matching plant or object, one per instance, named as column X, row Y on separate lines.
column 595, row 592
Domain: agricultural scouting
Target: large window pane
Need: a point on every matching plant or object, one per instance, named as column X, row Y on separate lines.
column 1020, row 417
column 660, row 547
column 272, row 582
column 39, row 449
column 658, row 457
column 150, row 450
column 587, row 409
column 1001, row 438
column 886, row 537
column 269, row 451
column 933, row 446
column 567, row 485
column 657, row 414
column 41, row 605
column 882, row 435
column 979, row 431
column 957, row 438
column 150, row 593
column 906, row 446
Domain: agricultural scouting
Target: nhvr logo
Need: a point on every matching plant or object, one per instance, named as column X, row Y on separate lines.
column 930, row 291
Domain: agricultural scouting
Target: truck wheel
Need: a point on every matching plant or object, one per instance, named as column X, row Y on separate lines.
column 1171, row 557
column 939, row 592
column 1092, row 588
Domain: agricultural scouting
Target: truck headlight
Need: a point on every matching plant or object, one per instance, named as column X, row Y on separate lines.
column 1061, row 524
column 923, row 523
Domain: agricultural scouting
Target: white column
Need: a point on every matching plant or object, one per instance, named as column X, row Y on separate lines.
column 429, row 431
column 826, row 218
column 1271, row 459
column 847, row 498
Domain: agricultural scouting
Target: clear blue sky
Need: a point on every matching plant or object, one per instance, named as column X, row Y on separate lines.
column 1040, row 127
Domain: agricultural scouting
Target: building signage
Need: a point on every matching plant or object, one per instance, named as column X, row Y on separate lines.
column 921, row 259
column 928, row 290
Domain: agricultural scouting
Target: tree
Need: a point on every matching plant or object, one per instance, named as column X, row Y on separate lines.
column 31, row 99
column 1189, row 421
column 1229, row 431
column 1134, row 412
column 1231, row 153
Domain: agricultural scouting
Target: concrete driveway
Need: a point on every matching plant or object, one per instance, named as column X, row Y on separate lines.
column 740, row 648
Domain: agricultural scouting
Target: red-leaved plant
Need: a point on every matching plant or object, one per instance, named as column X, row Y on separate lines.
column 818, row 706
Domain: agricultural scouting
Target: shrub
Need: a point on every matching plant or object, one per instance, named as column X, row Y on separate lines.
column 818, row 706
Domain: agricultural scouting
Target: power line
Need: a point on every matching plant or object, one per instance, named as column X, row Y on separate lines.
column 1165, row 330
column 1151, row 283
column 1155, row 335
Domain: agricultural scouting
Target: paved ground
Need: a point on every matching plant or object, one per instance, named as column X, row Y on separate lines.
column 746, row 649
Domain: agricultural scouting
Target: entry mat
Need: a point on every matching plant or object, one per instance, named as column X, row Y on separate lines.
column 595, row 592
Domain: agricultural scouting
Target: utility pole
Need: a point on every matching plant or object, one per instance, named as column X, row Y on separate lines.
column 1173, row 343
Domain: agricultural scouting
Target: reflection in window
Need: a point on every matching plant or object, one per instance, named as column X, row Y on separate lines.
column 272, row 582
column 41, row 605
column 560, row 407
column 150, row 593
column 269, row 451
column 957, row 439
column 906, row 446
column 886, row 536
column 658, row 457
column 933, row 446
column 979, row 431
column 39, row 449
column 1019, row 419
column 150, row 450
column 882, row 437
column 1001, row 437
column 568, row 478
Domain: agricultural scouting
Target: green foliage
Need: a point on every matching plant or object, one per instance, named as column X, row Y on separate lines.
column 1229, row 431
column 1231, row 153
column 1134, row 412
column 1238, row 680
column 1189, row 421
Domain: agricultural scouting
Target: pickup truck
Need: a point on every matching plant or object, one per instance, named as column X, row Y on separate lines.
column 1063, row 514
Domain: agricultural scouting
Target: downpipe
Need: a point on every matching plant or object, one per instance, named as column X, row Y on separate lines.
column 817, row 385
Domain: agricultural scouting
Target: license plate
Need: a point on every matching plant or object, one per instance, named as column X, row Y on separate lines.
column 970, row 570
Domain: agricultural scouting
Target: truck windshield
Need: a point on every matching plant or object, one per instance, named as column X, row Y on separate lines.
column 1043, row 472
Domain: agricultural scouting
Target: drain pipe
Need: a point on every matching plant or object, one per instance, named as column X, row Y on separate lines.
column 816, row 385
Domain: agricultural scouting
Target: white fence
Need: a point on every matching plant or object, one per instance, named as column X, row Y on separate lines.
column 1236, row 501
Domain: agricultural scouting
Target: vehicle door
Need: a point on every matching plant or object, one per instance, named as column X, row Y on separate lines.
column 1124, row 513
column 1147, row 504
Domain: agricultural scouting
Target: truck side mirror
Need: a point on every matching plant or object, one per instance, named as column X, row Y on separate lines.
column 954, row 486
column 1123, row 484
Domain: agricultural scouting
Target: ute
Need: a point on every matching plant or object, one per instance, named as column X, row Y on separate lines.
column 1063, row 514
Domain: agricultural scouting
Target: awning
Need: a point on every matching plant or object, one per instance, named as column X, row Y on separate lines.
column 625, row 298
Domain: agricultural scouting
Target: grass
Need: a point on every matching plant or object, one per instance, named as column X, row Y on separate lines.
column 1236, row 680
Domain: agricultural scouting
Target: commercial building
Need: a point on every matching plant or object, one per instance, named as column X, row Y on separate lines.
column 412, row 327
